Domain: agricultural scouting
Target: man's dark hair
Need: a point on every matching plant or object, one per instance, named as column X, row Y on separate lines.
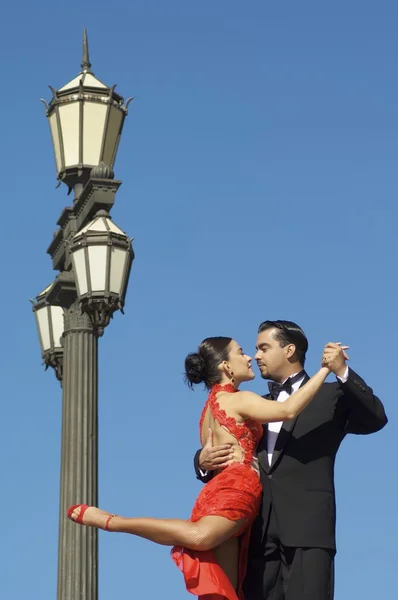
column 286, row 333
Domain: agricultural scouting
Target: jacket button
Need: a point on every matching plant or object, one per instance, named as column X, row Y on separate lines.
column 269, row 476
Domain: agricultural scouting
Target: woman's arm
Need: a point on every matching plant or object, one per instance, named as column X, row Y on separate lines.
column 250, row 405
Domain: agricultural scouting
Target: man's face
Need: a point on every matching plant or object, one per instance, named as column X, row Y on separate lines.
column 271, row 358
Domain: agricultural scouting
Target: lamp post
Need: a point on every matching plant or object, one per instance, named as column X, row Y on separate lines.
column 94, row 258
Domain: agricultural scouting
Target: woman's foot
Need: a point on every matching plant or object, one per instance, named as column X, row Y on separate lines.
column 89, row 516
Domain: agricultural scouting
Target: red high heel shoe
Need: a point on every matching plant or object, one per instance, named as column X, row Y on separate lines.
column 79, row 519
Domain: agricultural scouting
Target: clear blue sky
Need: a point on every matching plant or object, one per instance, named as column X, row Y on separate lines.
column 259, row 181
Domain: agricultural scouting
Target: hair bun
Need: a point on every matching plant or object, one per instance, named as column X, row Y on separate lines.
column 195, row 369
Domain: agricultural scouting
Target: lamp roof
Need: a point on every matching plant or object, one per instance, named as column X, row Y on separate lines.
column 86, row 77
column 87, row 80
column 102, row 223
column 44, row 292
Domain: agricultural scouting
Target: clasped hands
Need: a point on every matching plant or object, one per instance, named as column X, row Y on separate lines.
column 334, row 358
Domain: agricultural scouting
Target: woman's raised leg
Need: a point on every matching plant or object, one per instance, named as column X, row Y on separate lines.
column 205, row 534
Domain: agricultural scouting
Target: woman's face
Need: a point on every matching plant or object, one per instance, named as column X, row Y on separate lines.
column 239, row 363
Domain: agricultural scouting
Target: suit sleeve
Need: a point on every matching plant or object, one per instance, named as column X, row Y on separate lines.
column 365, row 412
column 199, row 474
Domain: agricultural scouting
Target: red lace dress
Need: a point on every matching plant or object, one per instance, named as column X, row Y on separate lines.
column 234, row 493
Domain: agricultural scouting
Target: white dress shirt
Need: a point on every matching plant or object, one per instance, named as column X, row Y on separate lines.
column 274, row 428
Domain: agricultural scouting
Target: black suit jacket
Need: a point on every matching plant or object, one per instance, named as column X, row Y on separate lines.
column 299, row 484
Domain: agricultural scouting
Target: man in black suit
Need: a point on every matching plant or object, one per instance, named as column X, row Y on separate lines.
column 292, row 547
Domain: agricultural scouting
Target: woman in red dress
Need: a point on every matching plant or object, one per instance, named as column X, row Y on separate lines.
column 210, row 549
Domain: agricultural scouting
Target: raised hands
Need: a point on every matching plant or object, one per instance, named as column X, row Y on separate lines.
column 334, row 358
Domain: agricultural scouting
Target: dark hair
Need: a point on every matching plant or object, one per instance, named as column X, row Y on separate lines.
column 288, row 333
column 202, row 366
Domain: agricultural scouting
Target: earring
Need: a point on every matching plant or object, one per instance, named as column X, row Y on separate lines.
column 232, row 377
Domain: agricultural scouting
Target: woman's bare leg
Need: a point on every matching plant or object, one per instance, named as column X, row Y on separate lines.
column 227, row 556
column 205, row 534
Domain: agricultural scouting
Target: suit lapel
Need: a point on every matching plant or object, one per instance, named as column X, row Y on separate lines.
column 285, row 434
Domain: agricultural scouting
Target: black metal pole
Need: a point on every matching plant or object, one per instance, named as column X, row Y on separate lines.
column 78, row 546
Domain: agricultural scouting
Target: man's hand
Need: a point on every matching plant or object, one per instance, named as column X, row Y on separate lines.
column 334, row 358
column 215, row 457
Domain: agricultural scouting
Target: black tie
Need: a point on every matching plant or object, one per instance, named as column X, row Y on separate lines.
column 276, row 388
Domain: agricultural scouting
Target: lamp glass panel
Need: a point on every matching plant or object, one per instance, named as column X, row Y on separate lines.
column 57, row 320
column 44, row 328
column 80, row 271
column 112, row 134
column 94, row 115
column 97, row 261
column 118, row 263
column 56, row 142
column 69, row 117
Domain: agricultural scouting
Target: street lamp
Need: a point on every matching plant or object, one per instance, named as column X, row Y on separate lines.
column 50, row 325
column 93, row 258
column 102, row 255
column 86, row 119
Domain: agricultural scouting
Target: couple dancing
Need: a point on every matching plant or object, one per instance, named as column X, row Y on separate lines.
column 263, row 525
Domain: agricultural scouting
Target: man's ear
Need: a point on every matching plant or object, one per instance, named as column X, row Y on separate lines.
column 290, row 350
